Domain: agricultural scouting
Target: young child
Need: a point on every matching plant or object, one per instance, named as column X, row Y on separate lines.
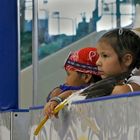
column 119, row 51
column 81, row 71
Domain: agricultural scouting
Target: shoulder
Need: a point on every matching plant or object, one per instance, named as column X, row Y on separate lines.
column 120, row 89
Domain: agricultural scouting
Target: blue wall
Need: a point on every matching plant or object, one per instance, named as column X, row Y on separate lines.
column 8, row 55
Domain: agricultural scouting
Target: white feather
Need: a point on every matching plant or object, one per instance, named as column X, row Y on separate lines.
column 75, row 97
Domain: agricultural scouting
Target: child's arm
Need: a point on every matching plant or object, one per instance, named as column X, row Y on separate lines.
column 55, row 92
column 54, row 101
column 66, row 94
column 120, row 89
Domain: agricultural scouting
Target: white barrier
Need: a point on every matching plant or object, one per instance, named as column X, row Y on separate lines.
column 5, row 126
column 105, row 118
column 14, row 125
column 111, row 119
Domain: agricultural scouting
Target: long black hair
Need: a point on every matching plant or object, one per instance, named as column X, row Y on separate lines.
column 123, row 41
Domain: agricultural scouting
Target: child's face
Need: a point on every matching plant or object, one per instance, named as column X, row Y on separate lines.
column 74, row 79
column 108, row 62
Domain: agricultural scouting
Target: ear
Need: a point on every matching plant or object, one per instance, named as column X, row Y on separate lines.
column 87, row 77
column 127, row 59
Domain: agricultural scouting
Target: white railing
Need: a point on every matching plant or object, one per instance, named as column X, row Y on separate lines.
column 105, row 118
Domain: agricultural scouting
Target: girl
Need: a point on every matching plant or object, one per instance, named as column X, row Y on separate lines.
column 119, row 51
column 81, row 71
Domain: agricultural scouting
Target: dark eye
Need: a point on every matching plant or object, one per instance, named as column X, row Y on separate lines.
column 104, row 55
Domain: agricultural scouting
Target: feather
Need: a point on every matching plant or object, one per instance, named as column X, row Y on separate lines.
column 98, row 89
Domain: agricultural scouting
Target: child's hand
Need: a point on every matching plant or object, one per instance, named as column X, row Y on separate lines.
column 49, row 108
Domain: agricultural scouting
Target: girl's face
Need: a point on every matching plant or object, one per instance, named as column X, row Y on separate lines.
column 108, row 62
column 74, row 79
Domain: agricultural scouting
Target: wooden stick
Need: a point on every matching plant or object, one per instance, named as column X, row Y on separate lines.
column 56, row 110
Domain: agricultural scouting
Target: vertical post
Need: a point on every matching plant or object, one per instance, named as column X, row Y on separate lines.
column 19, row 29
column 58, row 18
column 95, row 17
column 112, row 14
column 35, row 51
column 118, row 15
column 72, row 27
column 8, row 55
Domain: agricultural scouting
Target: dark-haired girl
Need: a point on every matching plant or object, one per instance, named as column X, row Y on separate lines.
column 119, row 51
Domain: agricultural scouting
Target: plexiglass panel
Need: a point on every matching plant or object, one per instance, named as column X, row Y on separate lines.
column 60, row 23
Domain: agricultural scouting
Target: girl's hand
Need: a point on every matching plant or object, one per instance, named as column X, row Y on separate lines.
column 49, row 108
